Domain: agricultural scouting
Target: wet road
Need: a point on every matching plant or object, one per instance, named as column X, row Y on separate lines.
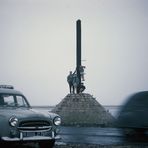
column 95, row 135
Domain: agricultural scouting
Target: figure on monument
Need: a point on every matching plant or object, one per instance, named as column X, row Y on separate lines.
column 81, row 68
column 82, row 88
column 75, row 82
column 70, row 81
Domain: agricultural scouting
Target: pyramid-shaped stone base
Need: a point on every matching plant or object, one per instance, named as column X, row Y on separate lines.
column 83, row 110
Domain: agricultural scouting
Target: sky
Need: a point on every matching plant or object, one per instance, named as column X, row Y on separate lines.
column 38, row 47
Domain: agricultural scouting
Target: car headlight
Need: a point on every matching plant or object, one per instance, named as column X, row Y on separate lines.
column 57, row 121
column 13, row 121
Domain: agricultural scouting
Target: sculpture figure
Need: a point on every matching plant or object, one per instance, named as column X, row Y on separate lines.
column 81, row 68
column 70, row 82
column 75, row 82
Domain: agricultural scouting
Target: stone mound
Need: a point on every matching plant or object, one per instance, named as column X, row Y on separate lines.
column 83, row 110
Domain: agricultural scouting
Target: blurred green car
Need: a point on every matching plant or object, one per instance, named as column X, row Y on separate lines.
column 133, row 116
column 20, row 123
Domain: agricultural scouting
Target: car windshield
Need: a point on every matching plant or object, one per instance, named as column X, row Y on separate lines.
column 9, row 100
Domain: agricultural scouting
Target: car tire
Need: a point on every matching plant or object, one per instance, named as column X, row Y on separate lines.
column 6, row 144
column 46, row 144
column 130, row 132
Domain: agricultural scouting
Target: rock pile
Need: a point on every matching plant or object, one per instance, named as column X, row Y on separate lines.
column 83, row 110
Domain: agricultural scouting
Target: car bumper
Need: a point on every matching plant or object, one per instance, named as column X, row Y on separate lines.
column 35, row 138
column 32, row 138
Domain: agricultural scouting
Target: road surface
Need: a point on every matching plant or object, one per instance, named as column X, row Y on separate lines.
column 94, row 136
column 97, row 135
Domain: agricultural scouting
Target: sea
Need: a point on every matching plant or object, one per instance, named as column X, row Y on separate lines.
column 113, row 109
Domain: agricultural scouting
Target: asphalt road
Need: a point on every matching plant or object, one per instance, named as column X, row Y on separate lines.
column 96, row 135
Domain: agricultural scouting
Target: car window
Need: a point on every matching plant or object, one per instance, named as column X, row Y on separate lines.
column 12, row 100
column 8, row 100
column 21, row 101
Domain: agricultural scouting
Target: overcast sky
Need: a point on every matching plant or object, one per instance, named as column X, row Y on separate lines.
column 38, row 46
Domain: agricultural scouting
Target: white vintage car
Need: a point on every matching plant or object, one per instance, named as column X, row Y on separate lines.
column 20, row 123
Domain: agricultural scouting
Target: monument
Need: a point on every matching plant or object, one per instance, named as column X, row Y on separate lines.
column 75, row 79
column 79, row 108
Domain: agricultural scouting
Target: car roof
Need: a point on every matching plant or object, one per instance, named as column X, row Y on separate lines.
column 9, row 91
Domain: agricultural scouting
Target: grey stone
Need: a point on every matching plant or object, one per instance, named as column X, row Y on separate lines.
column 83, row 110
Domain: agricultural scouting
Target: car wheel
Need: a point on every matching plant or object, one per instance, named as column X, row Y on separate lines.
column 134, row 135
column 46, row 144
column 1, row 144
column 6, row 144
column 134, row 132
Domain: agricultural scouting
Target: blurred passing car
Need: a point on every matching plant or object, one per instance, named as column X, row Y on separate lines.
column 133, row 116
column 19, row 123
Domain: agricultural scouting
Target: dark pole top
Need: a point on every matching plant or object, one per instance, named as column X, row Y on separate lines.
column 78, row 51
column 78, row 39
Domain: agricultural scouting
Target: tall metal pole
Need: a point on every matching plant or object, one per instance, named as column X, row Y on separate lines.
column 78, row 51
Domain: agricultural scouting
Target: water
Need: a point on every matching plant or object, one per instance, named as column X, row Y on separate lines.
column 112, row 109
